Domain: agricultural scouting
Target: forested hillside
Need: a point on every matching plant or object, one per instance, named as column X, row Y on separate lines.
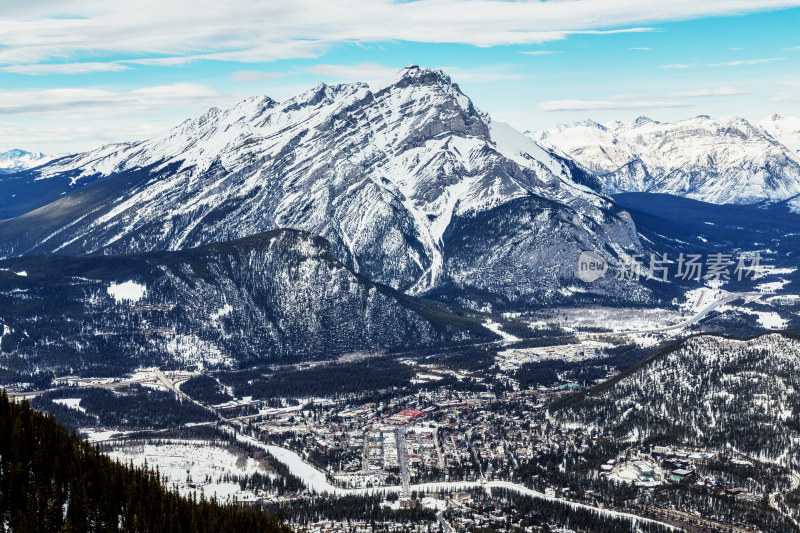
column 711, row 393
column 51, row 480
column 275, row 297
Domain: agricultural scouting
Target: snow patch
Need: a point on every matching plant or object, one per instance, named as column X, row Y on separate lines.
column 225, row 310
column 494, row 327
column 72, row 403
column 127, row 292
column 769, row 319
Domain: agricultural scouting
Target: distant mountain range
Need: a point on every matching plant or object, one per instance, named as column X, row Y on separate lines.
column 717, row 160
column 16, row 160
column 412, row 185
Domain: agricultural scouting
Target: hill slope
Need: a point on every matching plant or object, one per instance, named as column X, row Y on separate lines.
column 52, row 480
column 278, row 296
column 708, row 392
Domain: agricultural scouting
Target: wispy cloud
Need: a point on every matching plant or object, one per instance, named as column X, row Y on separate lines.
column 698, row 93
column 480, row 75
column 255, row 76
column 67, row 134
column 641, row 100
column 640, row 48
column 611, row 32
column 167, row 33
column 785, row 97
column 677, row 65
column 368, row 72
column 65, row 68
column 595, row 105
column 741, row 62
column 80, row 100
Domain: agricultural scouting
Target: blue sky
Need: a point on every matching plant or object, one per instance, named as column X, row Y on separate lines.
column 76, row 74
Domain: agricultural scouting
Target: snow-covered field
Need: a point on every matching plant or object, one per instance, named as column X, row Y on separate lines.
column 192, row 466
column 426, row 378
column 127, row 292
column 72, row 403
column 494, row 327
column 769, row 319
column 101, row 434
column 513, row 358
column 612, row 319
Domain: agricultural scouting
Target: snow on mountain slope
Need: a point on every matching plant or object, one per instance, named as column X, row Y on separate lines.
column 718, row 160
column 383, row 174
column 785, row 130
column 16, row 160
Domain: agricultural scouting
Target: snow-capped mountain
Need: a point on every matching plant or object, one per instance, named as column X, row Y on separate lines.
column 785, row 130
column 413, row 186
column 16, row 160
column 717, row 160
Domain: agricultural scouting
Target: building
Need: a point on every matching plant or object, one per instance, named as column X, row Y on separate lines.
column 680, row 474
column 662, row 450
column 247, row 500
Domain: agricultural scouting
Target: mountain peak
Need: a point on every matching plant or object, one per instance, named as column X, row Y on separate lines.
column 590, row 124
column 415, row 75
column 14, row 152
column 17, row 159
column 322, row 92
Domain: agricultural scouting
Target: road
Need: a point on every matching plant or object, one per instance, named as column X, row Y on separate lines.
column 773, row 498
column 446, row 528
column 701, row 314
column 183, row 397
column 475, row 456
column 141, row 377
column 439, row 458
column 365, row 455
column 402, row 459
column 510, row 453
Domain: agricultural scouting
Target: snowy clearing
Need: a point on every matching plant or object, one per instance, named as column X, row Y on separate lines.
column 127, row 292
column 192, row 466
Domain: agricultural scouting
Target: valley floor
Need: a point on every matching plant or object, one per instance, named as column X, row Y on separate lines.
column 470, row 437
